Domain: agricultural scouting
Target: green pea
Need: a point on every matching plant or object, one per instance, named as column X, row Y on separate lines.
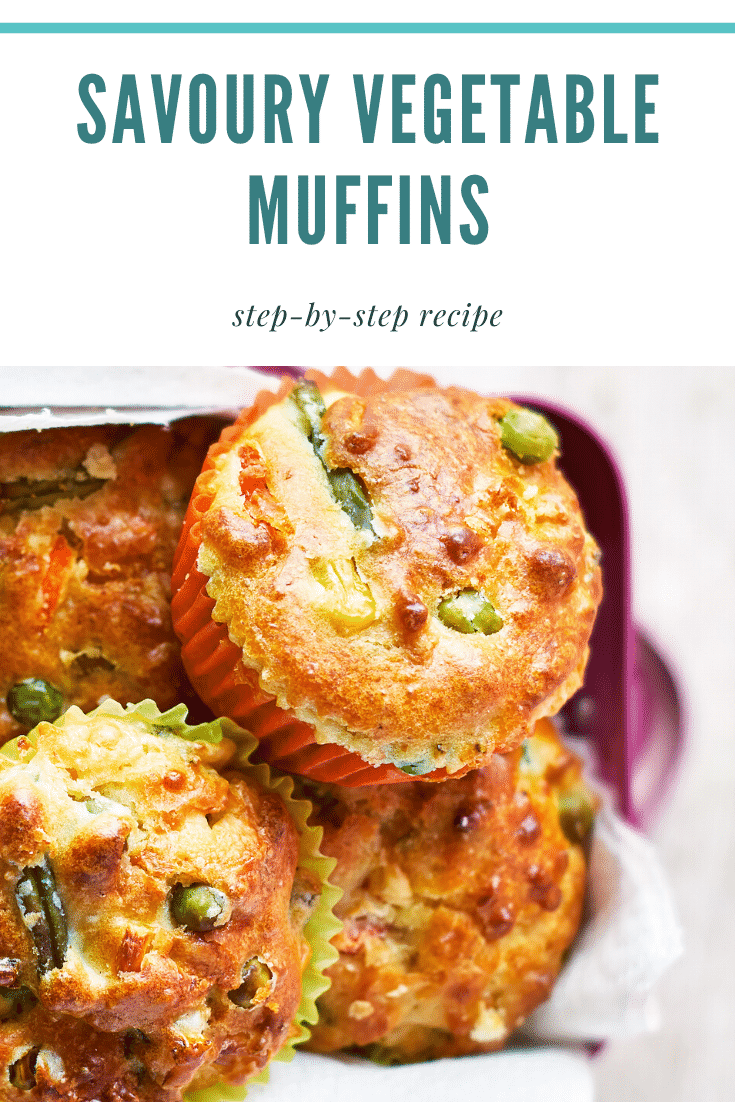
column 34, row 700
column 469, row 612
column 486, row 620
column 198, row 907
column 576, row 814
column 528, row 435
column 22, row 1074
column 350, row 495
column 255, row 975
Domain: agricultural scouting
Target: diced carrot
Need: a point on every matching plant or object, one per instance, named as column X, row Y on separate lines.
column 60, row 559
column 252, row 470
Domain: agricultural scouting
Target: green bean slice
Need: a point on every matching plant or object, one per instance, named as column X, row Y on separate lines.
column 468, row 612
column 44, row 915
column 54, row 911
column 350, row 495
column 346, row 487
column 198, row 907
column 22, row 1074
column 528, row 435
column 31, row 493
column 34, row 701
column 307, row 397
column 29, row 899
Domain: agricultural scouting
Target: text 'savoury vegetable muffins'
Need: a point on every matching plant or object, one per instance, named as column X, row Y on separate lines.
column 384, row 581
column 89, row 522
column 459, row 902
column 151, row 914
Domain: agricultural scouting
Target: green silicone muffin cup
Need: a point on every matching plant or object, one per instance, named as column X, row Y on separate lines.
column 322, row 924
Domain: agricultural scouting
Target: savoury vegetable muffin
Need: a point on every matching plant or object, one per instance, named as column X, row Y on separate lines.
column 460, row 900
column 150, row 925
column 89, row 521
column 407, row 572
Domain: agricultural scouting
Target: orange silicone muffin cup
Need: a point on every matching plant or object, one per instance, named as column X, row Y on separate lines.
column 214, row 663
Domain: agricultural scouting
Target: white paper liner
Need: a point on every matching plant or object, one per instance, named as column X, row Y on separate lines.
column 546, row 1075
column 135, row 396
column 630, row 937
column 56, row 418
column 628, row 941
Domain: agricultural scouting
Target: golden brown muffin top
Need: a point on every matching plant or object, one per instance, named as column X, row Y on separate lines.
column 45, row 1057
column 106, row 823
column 346, row 625
column 459, row 901
column 89, row 521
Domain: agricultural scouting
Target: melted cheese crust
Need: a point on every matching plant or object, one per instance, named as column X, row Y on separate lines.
column 122, row 815
column 325, row 613
column 85, row 580
column 459, row 902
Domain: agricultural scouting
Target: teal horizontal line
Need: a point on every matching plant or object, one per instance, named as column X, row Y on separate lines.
column 367, row 28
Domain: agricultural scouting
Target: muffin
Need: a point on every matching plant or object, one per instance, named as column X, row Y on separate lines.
column 401, row 576
column 151, row 919
column 89, row 521
column 460, row 901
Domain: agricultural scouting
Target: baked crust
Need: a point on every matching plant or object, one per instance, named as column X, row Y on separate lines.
column 459, row 902
column 89, row 522
column 122, row 815
column 341, row 623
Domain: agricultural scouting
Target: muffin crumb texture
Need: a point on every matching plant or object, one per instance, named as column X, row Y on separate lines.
column 89, row 522
column 146, row 931
column 395, row 575
column 460, row 901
